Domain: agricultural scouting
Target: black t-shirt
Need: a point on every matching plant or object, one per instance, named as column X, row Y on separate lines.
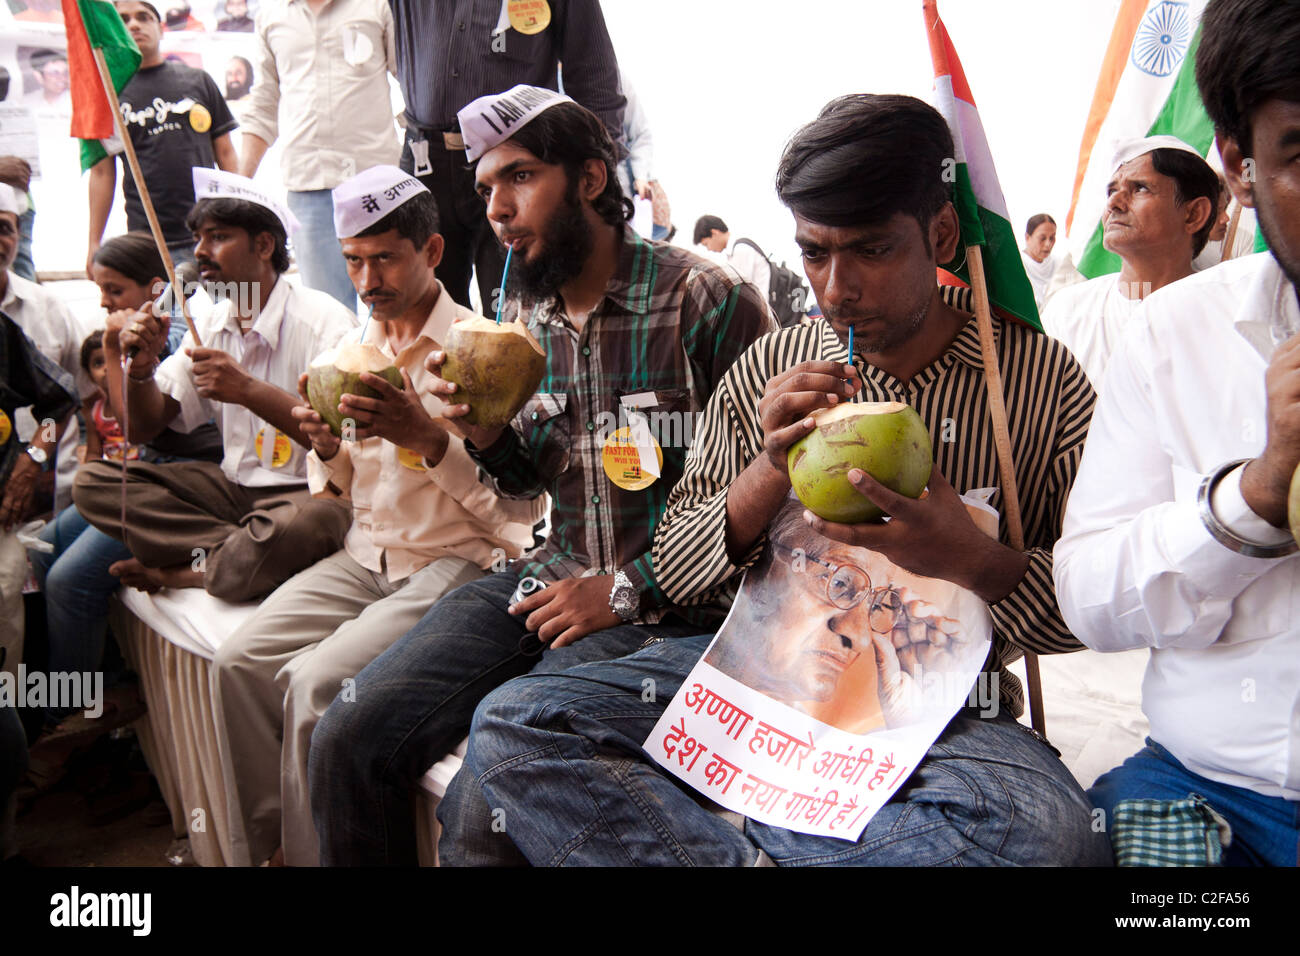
column 174, row 112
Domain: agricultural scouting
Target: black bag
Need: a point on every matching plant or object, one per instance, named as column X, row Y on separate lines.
column 786, row 290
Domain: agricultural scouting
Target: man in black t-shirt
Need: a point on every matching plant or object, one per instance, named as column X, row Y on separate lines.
column 177, row 119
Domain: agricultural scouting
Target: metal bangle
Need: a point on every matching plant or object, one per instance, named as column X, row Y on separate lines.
column 1221, row 533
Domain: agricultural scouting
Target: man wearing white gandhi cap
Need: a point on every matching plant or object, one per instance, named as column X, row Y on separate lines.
column 1162, row 199
column 422, row 523
column 252, row 520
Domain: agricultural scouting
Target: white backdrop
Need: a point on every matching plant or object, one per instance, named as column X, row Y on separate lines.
column 725, row 82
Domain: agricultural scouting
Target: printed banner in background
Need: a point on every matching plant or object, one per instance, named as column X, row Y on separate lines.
column 831, row 677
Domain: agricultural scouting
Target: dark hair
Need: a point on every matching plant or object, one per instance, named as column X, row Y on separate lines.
column 144, row 3
column 94, row 341
column 567, row 134
column 705, row 225
column 133, row 254
column 39, row 58
column 866, row 157
column 248, row 68
column 248, row 216
column 1036, row 221
column 1193, row 178
column 1249, row 54
column 416, row 219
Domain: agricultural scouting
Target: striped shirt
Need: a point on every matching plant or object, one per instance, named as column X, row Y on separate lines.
column 668, row 328
column 1049, row 405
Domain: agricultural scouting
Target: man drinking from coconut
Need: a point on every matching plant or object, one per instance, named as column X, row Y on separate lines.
column 422, row 523
column 630, row 329
column 559, row 756
column 241, row 528
column 1176, row 536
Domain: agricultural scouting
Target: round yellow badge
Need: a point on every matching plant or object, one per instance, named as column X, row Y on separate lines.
column 281, row 451
column 200, row 118
column 622, row 461
column 6, row 428
column 529, row 16
column 410, row 459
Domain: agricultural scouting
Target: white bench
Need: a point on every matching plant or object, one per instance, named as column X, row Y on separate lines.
column 1091, row 702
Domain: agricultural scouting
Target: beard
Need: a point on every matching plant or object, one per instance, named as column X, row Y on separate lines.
column 565, row 245
column 236, row 91
column 888, row 340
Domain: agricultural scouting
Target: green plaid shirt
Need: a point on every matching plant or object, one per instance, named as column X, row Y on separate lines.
column 670, row 324
column 1168, row 833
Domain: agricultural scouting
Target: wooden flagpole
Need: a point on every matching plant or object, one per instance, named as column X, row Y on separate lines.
column 177, row 292
column 1231, row 235
column 1002, row 441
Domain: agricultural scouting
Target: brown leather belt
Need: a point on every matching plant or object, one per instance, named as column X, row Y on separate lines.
column 453, row 141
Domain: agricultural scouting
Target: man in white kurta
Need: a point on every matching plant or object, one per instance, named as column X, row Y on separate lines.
column 422, row 525
column 1156, row 223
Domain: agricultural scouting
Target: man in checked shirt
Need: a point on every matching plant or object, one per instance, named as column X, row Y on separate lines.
column 626, row 324
column 561, row 754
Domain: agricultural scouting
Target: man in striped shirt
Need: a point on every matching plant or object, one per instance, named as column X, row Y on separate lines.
column 561, row 754
column 630, row 329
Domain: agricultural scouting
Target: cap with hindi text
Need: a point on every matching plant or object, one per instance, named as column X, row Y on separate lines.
column 369, row 196
column 491, row 120
column 219, row 184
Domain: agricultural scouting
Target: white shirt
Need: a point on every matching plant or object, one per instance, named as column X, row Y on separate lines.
column 54, row 330
column 1090, row 318
column 1135, row 566
column 406, row 514
column 324, row 76
column 296, row 325
column 753, row 268
column 1040, row 275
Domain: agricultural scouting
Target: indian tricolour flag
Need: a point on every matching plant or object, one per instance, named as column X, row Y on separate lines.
column 1147, row 87
column 977, row 193
column 96, row 24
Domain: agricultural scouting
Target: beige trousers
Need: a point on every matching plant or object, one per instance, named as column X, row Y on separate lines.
column 13, row 573
column 273, row 680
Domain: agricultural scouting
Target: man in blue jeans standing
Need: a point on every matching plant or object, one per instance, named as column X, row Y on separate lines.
column 629, row 327
column 559, row 757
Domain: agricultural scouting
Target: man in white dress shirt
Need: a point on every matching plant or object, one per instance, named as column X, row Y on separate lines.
column 1175, row 535
column 240, row 529
column 1162, row 198
column 422, row 525
column 713, row 241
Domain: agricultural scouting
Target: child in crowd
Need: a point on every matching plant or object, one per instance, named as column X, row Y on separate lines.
column 105, row 439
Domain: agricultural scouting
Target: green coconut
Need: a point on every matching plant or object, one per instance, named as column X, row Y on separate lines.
column 338, row 372
column 496, row 368
column 1293, row 506
column 887, row 440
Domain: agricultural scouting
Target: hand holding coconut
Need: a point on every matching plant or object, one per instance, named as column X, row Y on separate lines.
column 1266, row 481
column 396, row 416
column 790, row 399
column 933, row 536
column 317, row 431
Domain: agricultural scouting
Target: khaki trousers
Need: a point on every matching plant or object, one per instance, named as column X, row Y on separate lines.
column 246, row 540
column 272, row 681
column 13, row 573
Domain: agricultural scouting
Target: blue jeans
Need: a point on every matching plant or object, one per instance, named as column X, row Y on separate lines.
column 412, row 705
column 560, row 755
column 77, row 587
column 22, row 264
column 317, row 249
column 1265, row 830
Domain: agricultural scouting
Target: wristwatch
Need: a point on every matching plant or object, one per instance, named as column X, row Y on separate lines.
column 38, row 455
column 624, row 599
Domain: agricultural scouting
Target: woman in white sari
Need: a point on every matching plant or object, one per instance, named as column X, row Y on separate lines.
column 1040, row 237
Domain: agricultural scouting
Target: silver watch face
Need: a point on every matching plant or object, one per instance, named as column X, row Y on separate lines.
column 37, row 455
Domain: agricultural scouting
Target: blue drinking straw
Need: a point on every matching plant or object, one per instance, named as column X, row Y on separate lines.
column 504, row 272
column 366, row 328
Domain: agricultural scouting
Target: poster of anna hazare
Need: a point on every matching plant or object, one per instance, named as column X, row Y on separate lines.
column 830, row 678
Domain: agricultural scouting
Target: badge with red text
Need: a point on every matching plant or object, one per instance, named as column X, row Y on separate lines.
column 275, row 454
column 529, row 16
column 622, row 459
